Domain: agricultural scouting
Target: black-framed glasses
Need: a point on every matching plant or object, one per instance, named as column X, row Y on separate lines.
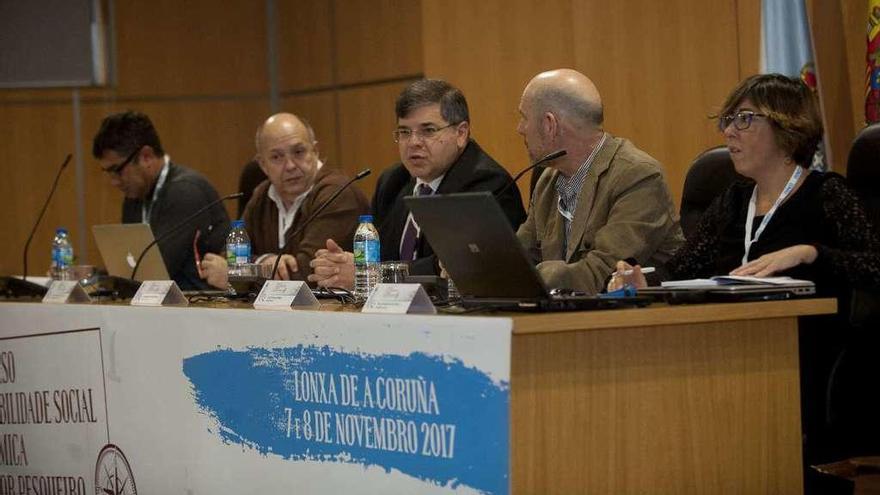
column 741, row 120
column 119, row 167
column 404, row 134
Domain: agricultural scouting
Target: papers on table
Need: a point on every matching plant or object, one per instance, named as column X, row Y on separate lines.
column 732, row 280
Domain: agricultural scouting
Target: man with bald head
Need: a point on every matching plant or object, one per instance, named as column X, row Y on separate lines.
column 298, row 184
column 604, row 201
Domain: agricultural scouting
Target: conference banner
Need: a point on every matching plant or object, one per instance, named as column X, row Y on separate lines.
column 103, row 399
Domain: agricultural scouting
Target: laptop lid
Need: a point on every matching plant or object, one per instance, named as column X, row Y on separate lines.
column 121, row 244
column 473, row 237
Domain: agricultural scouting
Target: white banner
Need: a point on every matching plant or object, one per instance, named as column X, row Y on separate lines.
column 241, row 401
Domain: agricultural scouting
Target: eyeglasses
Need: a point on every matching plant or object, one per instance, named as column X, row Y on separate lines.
column 119, row 167
column 424, row 133
column 741, row 120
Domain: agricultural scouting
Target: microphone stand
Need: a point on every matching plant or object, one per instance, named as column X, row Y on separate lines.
column 546, row 158
column 14, row 287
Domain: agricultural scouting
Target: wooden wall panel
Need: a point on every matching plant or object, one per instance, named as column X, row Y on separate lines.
column 377, row 39
column 490, row 50
column 320, row 110
column 748, row 35
column 366, row 120
column 36, row 138
column 661, row 72
column 305, row 44
column 199, row 47
column 214, row 137
column 829, row 53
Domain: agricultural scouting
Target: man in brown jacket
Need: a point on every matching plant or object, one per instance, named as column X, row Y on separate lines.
column 604, row 201
column 298, row 184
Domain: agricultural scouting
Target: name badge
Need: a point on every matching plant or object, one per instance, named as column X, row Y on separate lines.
column 66, row 291
column 285, row 295
column 399, row 299
column 159, row 293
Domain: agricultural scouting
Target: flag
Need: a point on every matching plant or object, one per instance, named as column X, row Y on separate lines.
column 787, row 48
column 872, row 71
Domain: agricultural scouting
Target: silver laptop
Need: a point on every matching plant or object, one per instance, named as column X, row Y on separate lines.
column 120, row 245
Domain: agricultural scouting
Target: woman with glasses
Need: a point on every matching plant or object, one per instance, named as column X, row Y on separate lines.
column 786, row 220
column 790, row 221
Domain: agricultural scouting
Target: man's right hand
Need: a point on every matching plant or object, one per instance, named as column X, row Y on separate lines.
column 333, row 267
column 213, row 268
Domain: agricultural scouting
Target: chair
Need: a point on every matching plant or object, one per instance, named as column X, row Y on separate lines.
column 251, row 177
column 709, row 176
column 863, row 170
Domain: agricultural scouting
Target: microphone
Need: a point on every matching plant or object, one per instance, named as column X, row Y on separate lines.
column 30, row 238
column 179, row 225
column 363, row 173
column 546, row 158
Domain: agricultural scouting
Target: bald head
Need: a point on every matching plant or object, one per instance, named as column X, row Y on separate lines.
column 281, row 125
column 568, row 94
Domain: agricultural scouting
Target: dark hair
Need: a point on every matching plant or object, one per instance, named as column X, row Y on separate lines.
column 791, row 108
column 124, row 133
column 453, row 106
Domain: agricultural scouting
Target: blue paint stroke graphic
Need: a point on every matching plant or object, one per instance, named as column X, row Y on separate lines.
column 264, row 397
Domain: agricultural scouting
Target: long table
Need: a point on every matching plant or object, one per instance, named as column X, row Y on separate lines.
column 664, row 399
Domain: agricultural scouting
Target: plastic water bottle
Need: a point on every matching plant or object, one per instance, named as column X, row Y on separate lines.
column 238, row 247
column 62, row 255
column 366, row 258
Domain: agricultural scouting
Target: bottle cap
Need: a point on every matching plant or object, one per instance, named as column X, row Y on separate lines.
column 61, row 230
column 237, row 223
column 365, row 219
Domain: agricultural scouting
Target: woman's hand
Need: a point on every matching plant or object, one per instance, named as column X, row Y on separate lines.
column 777, row 261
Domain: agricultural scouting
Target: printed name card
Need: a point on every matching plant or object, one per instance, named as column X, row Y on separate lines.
column 399, row 299
column 159, row 293
column 284, row 295
column 66, row 291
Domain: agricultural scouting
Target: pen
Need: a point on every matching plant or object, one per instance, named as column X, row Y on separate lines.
column 645, row 269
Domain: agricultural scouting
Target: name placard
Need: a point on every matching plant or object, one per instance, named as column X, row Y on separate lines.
column 159, row 293
column 66, row 291
column 399, row 299
column 285, row 295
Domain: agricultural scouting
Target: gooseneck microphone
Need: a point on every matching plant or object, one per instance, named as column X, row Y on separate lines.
column 179, row 225
column 546, row 158
column 30, row 238
column 359, row 176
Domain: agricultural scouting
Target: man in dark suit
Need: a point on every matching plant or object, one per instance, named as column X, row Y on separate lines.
column 437, row 156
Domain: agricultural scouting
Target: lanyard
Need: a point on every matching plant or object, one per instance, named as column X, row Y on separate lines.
column 145, row 212
column 750, row 217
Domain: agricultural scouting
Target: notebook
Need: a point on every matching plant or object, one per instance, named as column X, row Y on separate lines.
column 731, row 288
column 482, row 254
column 121, row 244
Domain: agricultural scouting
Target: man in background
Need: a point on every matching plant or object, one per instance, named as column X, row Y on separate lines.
column 160, row 193
column 298, row 184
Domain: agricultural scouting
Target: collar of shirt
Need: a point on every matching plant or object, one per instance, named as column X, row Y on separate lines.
column 285, row 215
column 569, row 188
column 434, row 184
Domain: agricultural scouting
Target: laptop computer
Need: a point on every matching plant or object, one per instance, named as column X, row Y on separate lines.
column 481, row 252
column 730, row 293
column 121, row 244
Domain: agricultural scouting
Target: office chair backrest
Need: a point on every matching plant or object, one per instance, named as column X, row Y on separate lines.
column 709, row 176
column 863, row 170
column 251, row 177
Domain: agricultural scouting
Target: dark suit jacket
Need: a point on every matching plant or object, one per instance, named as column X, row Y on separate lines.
column 473, row 171
column 184, row 192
